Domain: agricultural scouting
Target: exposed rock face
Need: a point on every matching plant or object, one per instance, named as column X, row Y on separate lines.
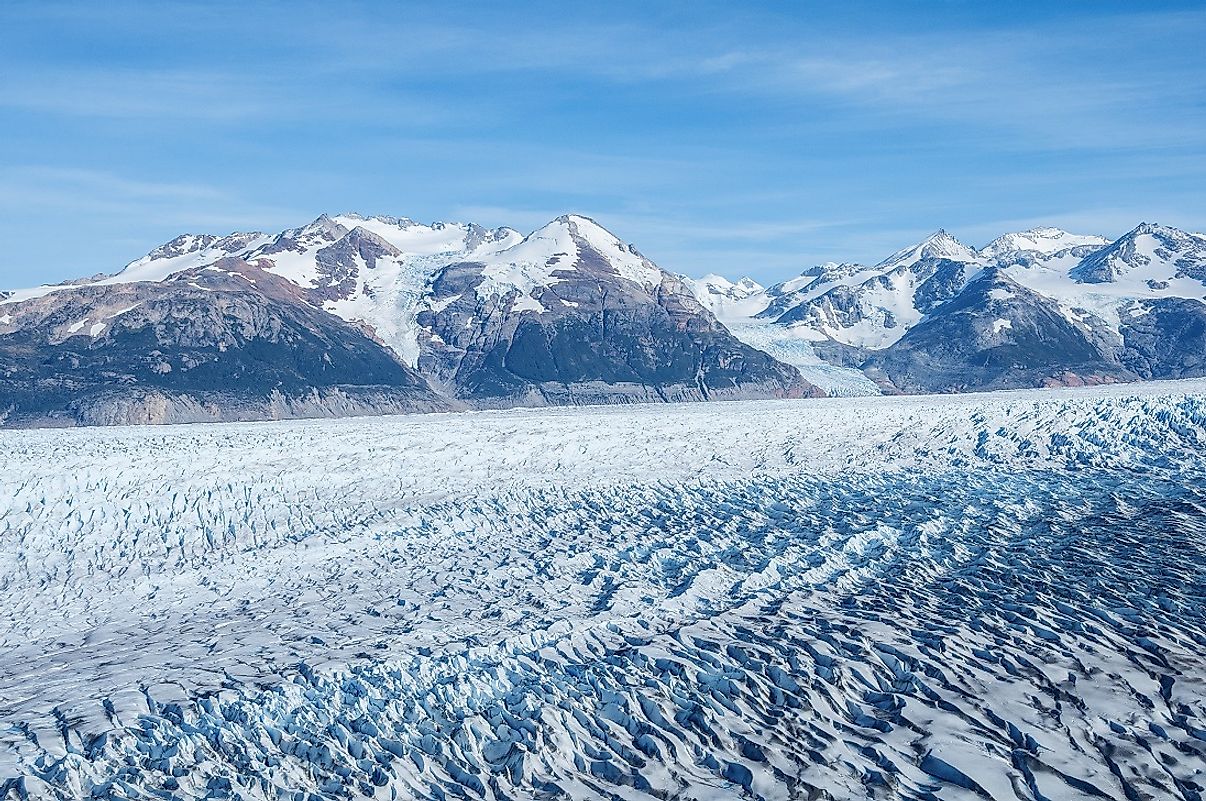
column 996, row 334
column 1083, row 310
column 588, row 335
column 299, row 240
column 186, row 244
column 352, row 315
column 1157, row 251
column 226, row 342
column 338, row 264
column 1165, row 338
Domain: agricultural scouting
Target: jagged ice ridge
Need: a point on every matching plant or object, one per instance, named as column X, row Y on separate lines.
column 982, row 596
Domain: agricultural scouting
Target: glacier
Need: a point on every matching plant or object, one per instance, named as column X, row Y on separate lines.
column 996, row 596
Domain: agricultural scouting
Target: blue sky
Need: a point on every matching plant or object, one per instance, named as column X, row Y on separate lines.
column 755, row 141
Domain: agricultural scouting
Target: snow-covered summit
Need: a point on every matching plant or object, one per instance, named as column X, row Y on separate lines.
column 568, row 243
column 734, row 290
column 828, row 271
column 1151, row 253
column 184, row 253
column 730, row 301
column 938, row 245
column 1045, row 240
column 419, row 239
column 376, row 269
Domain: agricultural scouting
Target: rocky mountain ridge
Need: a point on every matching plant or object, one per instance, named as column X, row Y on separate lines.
column 938, row 315
column 353, row 314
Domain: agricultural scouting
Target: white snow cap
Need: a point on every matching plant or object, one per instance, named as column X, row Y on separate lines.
column 938, row 245
column 555, row 247
column 1044, row 239
column 719, row 285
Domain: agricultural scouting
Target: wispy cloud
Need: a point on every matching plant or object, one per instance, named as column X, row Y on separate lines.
column 137, row 94
column 62, row 223
column 763, row 136
column 33, row 188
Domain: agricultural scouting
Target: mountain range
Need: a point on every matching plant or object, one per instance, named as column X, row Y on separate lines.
column 361, row 315
column 1040, row 307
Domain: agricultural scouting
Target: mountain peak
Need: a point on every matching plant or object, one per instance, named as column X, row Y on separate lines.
column 565, row 244
column 324, row 223
column 938, row 245
column 1149, row 252
column 323, row 226
column 588, row 229
column 577, row 219
column 1166, row 233
column 715, row 284
column 1044, row 239
column 185, row 243
column 580, row 229
column 351, row 216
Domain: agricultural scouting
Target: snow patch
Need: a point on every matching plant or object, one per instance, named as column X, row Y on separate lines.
column 527, row 303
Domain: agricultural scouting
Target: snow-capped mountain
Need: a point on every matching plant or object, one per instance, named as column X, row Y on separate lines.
column 828, row 318
column 851, row 316
column 571, row 314
column 1042, row 241
column 938, row 245
column 566, row 314
column 1154, row 255
column 994, row 333
column 225, row 341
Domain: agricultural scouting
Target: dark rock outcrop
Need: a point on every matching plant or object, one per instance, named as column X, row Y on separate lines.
column 996, row 334
column 589, row 336
column 227, row 342
column 1165, row 338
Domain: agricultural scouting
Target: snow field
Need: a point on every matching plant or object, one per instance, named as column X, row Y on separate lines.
column 996, row 595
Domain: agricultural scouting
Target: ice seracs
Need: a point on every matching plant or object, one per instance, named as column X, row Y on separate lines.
column 881, row 598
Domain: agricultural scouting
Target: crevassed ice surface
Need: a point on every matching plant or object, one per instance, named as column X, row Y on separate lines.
column 996, row 596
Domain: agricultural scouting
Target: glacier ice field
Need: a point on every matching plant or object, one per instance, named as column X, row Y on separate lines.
column 998, row 596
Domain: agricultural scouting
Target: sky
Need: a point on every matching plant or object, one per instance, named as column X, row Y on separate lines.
column 757, row 140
